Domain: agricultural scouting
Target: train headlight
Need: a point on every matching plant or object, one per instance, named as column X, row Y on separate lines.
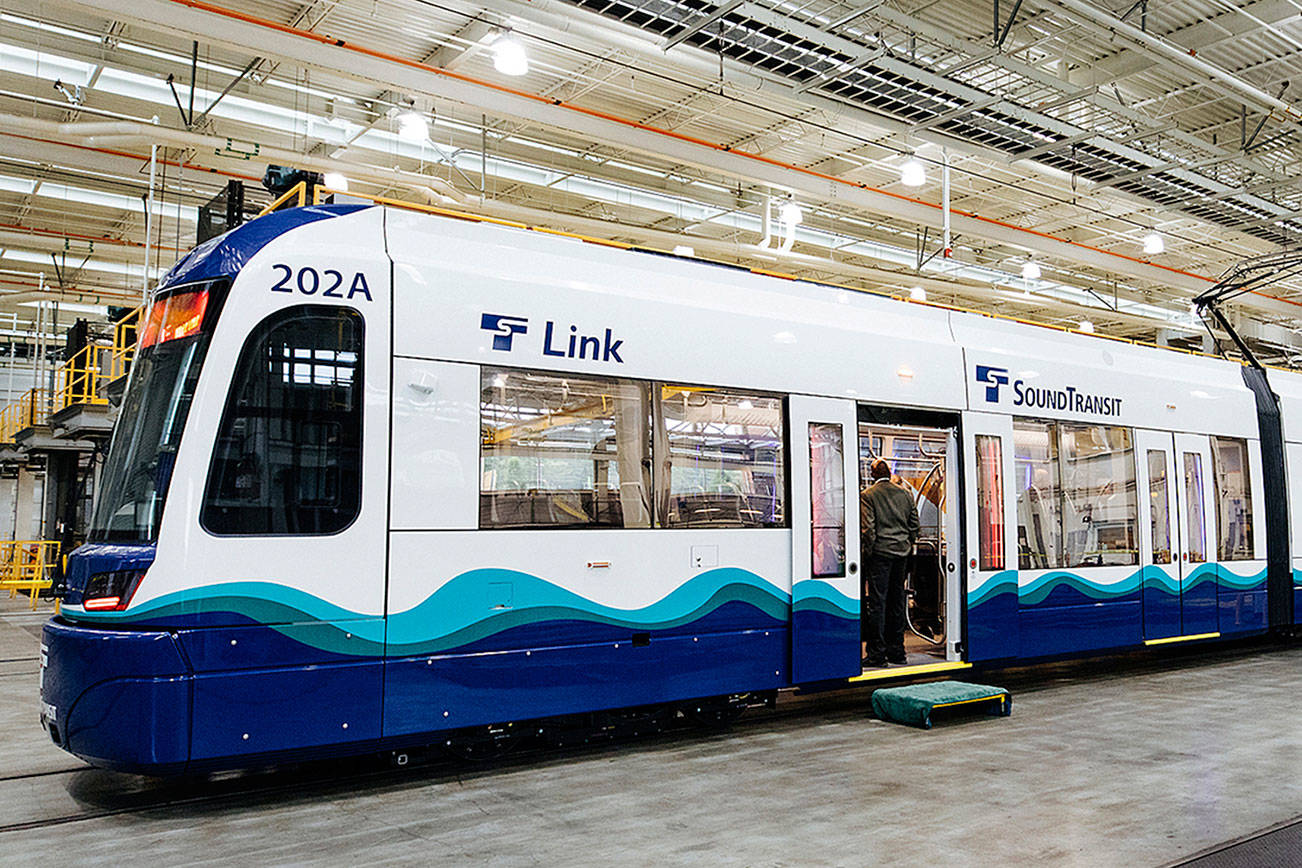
column 111, row 592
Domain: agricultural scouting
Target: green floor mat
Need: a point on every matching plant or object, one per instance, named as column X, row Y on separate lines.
column 914, row 703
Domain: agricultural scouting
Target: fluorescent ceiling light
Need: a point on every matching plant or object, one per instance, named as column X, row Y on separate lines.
column 790, row 214
column 413, row 127
column 509, row 57
column 1031, row 270
column 917, row 293
column 684, row 250
column 68, row 307
column 1087, row 326
column 336, row 181
column 1153, row 244
column 913, row 173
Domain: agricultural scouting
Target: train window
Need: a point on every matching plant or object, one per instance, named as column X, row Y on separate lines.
column 288, row 453
column 1193, row 492
column 1233, row 499
column 1039, row 495
column 723, row 466
column 563, row 451
column 1159, row 506
column 1076, row 498
column 1100, row 512
column 827, row 499
column 990, row 502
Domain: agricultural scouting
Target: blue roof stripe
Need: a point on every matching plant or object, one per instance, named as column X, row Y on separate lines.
column 226, row 254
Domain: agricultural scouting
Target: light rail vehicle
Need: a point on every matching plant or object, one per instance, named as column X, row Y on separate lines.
column 384, row 479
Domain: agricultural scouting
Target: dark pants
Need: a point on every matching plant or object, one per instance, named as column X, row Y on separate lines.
column 881, row 622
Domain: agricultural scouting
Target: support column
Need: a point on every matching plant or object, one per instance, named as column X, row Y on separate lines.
column 28, row 504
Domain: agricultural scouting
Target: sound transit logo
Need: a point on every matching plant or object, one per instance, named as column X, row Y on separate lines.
column 506, row 328
column 1070, row 399
column 996, row 377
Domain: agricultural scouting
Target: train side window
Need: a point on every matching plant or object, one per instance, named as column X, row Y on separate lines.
column 1233, row 499
column 1159, row 509
column 1039, row 495
column 720, row 460
column 563, row 451
column 1194, row 523
column 288, row 453
column 827, row 500
column 1100, row 512
column 990, row 502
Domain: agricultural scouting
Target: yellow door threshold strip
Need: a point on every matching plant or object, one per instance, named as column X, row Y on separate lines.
column 1189, row 638
column 903, row 671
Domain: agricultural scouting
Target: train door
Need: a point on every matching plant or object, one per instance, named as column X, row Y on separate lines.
column 924, row 461
column 990, row 568
column 1193, row 467
column 825, row 566
column 1159, row 533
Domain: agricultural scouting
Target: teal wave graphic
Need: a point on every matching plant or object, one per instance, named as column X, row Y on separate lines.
column 1004, row 582
column 454, row 615
column 814, row 595
column 1039, row 590
column 1153, row 576
column 1228, row 578
column 458, row 613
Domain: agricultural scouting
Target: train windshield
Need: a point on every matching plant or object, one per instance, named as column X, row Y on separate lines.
column 170, row 353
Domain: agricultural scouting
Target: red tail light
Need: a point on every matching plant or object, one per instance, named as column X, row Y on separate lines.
column 177, row 316
column 111, row 592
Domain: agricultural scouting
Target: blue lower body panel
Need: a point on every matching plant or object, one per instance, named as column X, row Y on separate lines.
column 290, row 708
column 824, row 633
column 993, row 629
column 1058, row 630
column 1199, row 605
column 116, row 698
column 133, row 700
column 1161, row 610
column 1242, row 612
column 437, row 692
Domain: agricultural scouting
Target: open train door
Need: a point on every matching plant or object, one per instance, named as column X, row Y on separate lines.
column 825, row 577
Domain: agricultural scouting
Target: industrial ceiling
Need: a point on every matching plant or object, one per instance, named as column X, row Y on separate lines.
column 1075, row 136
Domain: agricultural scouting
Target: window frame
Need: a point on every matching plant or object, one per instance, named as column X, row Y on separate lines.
column 656, row 387
column 815, row 489
column 1063, row 486
column 259, row 332
column 1215, row 443
column 992, row 546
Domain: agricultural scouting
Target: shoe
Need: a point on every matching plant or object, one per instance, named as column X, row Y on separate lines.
column 899, row 660
column 873, row 662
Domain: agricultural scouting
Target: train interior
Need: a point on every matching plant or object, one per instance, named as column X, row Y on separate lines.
column 924, row 461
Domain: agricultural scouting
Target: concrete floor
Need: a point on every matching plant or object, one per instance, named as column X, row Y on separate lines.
column 1092, row 769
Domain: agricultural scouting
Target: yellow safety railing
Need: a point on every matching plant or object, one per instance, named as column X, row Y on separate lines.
column 126, row 332
column 33, row 408
column 28, row 565
column 79, row 380
column 296, row 194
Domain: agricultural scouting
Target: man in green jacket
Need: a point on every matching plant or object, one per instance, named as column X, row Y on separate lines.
column 888, row 526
